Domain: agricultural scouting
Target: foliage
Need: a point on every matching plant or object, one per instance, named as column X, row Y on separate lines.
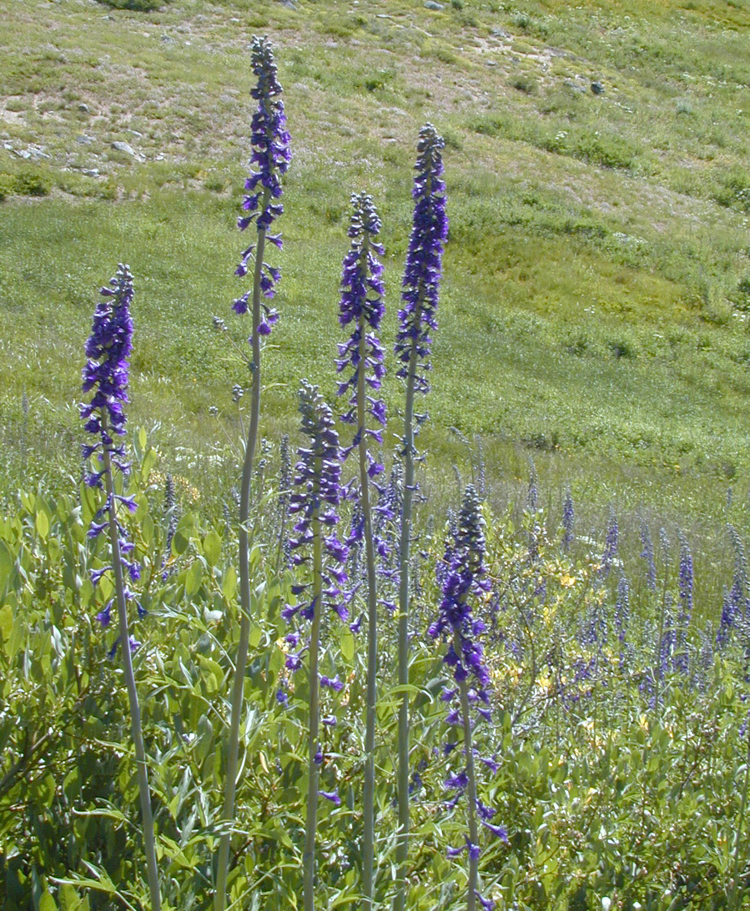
column 603, row 793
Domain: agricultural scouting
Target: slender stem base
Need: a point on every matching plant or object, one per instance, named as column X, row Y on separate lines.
column 471, row 789
column 308, row 858
column 135, row 712
column 368, row 839
column 238, row 686
column 402, row 845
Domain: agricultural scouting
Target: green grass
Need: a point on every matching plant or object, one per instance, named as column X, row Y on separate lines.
column 595, row 292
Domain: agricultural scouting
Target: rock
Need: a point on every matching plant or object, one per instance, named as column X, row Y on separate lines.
column 499, row 33
column 124, row 147
column 597, row 88
column 433, row 4
column 490, row 62
column 90, row 172
column 289, row 4
column 33, row 153
column 573, row 86
column 84, row 140
column 84, row 108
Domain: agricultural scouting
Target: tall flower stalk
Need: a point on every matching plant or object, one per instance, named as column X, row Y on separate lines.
column 106, row 376
column 417, row 318
column 315, row 498
column 362, row 306
column 270, row 160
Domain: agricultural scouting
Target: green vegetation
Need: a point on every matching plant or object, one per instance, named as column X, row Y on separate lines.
column 597, row 259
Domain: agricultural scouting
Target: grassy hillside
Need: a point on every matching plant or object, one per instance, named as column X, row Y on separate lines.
column 597, row 274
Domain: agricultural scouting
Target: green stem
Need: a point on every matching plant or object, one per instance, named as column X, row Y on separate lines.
column 308, row 858
column 149, row 846
column 368, row 840
column 238, row 687
column 402, row 845
column 734, row 901
column 471, row 789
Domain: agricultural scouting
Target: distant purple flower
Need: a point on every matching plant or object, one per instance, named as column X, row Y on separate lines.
column 333, row 682
column 647, row 553
column 271, row 156
column 332, row 796
column 487, row 903
column 417, row 317
column 610, row 545
column 568, row 520
column 685, row 586
column 622, row 608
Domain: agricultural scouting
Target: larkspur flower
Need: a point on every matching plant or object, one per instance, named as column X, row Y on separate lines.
column 418, row 316
column 270, row 160
column 105, row 376
column 362, row 306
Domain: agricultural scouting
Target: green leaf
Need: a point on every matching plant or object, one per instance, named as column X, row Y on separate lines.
column 47, row 903
column 346, row 643
column 180, row 543
column 149, row 460
column 212, row 548
column 6, row 621
column 193, row 578
column 6, row 564
column 42, row 524
column 256, row 634
column 229, row 583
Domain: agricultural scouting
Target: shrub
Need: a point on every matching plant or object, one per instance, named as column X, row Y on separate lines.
column 138, row 6
column 30, row 183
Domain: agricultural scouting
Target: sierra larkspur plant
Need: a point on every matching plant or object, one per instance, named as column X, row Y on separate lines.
column 316, row 495
column 417, row 319
column 463, row 580
column 106, row 375
column 269, row 162
column 362, row 307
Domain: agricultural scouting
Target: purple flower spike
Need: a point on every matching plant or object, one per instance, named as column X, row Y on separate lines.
column 362, row 305
column 464, row 579
column 269, row 162
column 417, row 317
column 317, row 482
column 105, row 378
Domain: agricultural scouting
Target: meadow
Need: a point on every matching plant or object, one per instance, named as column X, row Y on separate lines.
column 589, row 380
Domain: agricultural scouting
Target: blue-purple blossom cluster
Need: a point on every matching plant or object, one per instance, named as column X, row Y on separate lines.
column 421, row 281
column 317, row 493
column 463, row 580
column 362, row 305
column 106, row 371
column 106, row 375
column 271, row 156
